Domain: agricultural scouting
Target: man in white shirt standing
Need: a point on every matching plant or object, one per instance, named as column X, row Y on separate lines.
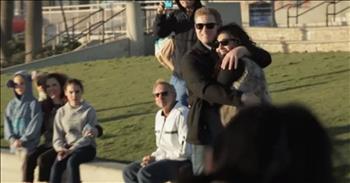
column 172, row 151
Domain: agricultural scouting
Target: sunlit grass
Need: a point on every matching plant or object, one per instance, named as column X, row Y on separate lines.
column 120, row 91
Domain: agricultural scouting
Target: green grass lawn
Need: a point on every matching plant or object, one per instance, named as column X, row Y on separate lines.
column 120, row 90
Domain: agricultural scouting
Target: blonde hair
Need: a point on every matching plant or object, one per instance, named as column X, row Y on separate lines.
column 205, row 11
column 166, row 84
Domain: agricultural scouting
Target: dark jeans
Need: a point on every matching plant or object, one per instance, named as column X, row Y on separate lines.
column 43, row 157
column 158, row 171
column 71, row 163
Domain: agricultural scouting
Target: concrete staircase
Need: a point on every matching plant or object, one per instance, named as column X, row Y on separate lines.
column 302, row 39
column 93, row 172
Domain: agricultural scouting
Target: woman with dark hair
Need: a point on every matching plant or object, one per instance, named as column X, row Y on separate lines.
column 267, row 144
column 180, row 22
column 45, row 155
column 249, row 77
column 74, row 134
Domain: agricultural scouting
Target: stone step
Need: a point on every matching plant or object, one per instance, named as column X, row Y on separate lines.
column 97, row 171
column 304, row 46
column 330, row 34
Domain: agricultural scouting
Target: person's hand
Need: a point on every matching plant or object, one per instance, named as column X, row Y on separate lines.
column 147, row 160
column 161, row 8
column 17, row 143
column 89, row 133
column 230, row 60
column 63, row 154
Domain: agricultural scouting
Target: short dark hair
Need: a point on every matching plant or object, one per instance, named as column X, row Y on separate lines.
column 74, row 81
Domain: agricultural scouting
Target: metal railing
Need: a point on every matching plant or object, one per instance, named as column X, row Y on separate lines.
column 89, row 30
column 297, row 14
column 72, row 27
column 335, row 12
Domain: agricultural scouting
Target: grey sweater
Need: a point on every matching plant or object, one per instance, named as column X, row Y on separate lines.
column 70, row 124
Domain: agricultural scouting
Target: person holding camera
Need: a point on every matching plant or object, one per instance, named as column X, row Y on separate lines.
column 181, row 23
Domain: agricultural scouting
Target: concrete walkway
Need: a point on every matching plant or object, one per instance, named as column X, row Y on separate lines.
column 92, row 172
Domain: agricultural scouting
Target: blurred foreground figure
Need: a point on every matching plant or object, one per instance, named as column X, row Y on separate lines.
column 267, row 144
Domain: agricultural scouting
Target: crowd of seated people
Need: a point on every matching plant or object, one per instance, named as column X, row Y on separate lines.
column 216, row 121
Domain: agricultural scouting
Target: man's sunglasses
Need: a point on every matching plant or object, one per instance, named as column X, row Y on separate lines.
column 207, row 25
column 164, row 94
column 225, row 42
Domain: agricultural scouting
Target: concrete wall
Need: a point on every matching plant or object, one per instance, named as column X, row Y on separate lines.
column 230, row 12
column 329, row 34
column 304, row 46
column 315, row 17
column 310, row 39
column 149, row 44
column 115, row 49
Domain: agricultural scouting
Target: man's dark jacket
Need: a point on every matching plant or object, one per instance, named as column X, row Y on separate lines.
column 183, row 26
column 204, row 93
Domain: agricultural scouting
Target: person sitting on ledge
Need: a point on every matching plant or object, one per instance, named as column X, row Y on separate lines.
column 172, row 152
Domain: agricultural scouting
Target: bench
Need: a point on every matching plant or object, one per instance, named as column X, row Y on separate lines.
column 96, row 171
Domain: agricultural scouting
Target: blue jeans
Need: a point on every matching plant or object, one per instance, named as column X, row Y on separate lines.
column 72, row 162
column 180, row 88
column 158, row 171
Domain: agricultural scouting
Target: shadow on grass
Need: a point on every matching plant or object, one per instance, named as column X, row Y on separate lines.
column 125, row 106
column 341, row 173
column 278, row 82
column 337, row 130
column 308, row 77
column 325, row 74
column 124, row 116
column 298, row 87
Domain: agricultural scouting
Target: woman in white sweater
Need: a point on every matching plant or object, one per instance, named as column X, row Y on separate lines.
column 74, row 134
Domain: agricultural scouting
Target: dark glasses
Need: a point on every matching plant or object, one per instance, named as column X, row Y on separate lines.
column 207, row 25
column 11, row 84
column 225, row 42
column 164, row 94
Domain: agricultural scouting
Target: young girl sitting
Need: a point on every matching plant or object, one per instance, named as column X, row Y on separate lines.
column 74, row 134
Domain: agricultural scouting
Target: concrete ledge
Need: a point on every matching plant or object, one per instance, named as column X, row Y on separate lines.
column 97, row 171
column 303, row 46
column 114, row 49
column 102, row 171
